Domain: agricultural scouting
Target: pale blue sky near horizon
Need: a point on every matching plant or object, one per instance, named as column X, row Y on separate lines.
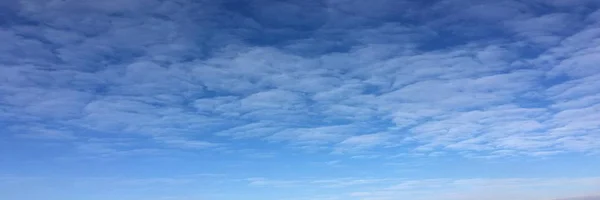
column 299, row 100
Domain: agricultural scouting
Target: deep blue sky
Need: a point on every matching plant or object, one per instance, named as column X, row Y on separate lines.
column 299, row 100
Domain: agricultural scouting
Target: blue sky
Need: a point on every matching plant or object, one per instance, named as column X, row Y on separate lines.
column 299, row 100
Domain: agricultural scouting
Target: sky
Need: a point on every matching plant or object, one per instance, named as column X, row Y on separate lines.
column 299, row 99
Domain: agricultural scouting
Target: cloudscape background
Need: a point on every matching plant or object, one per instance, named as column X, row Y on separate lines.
column 299, row 100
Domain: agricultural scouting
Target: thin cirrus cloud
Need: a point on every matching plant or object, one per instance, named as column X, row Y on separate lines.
column 344, row 79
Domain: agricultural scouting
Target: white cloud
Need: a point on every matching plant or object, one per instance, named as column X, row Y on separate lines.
column 41, row 132
column 315, row 136
column 366, row 141
column 188, row 74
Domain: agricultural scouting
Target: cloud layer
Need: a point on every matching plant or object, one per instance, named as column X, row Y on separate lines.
column 209, row 70
column 383, row 79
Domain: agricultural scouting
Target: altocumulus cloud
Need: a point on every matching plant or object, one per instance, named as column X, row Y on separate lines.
column 485, row 79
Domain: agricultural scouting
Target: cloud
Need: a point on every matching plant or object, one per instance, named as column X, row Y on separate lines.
column 41, row 132
column 513, row 79
column 186, row 143
column 547, row 29
column 317, row 135
column 366, row 141
column 271, row 183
